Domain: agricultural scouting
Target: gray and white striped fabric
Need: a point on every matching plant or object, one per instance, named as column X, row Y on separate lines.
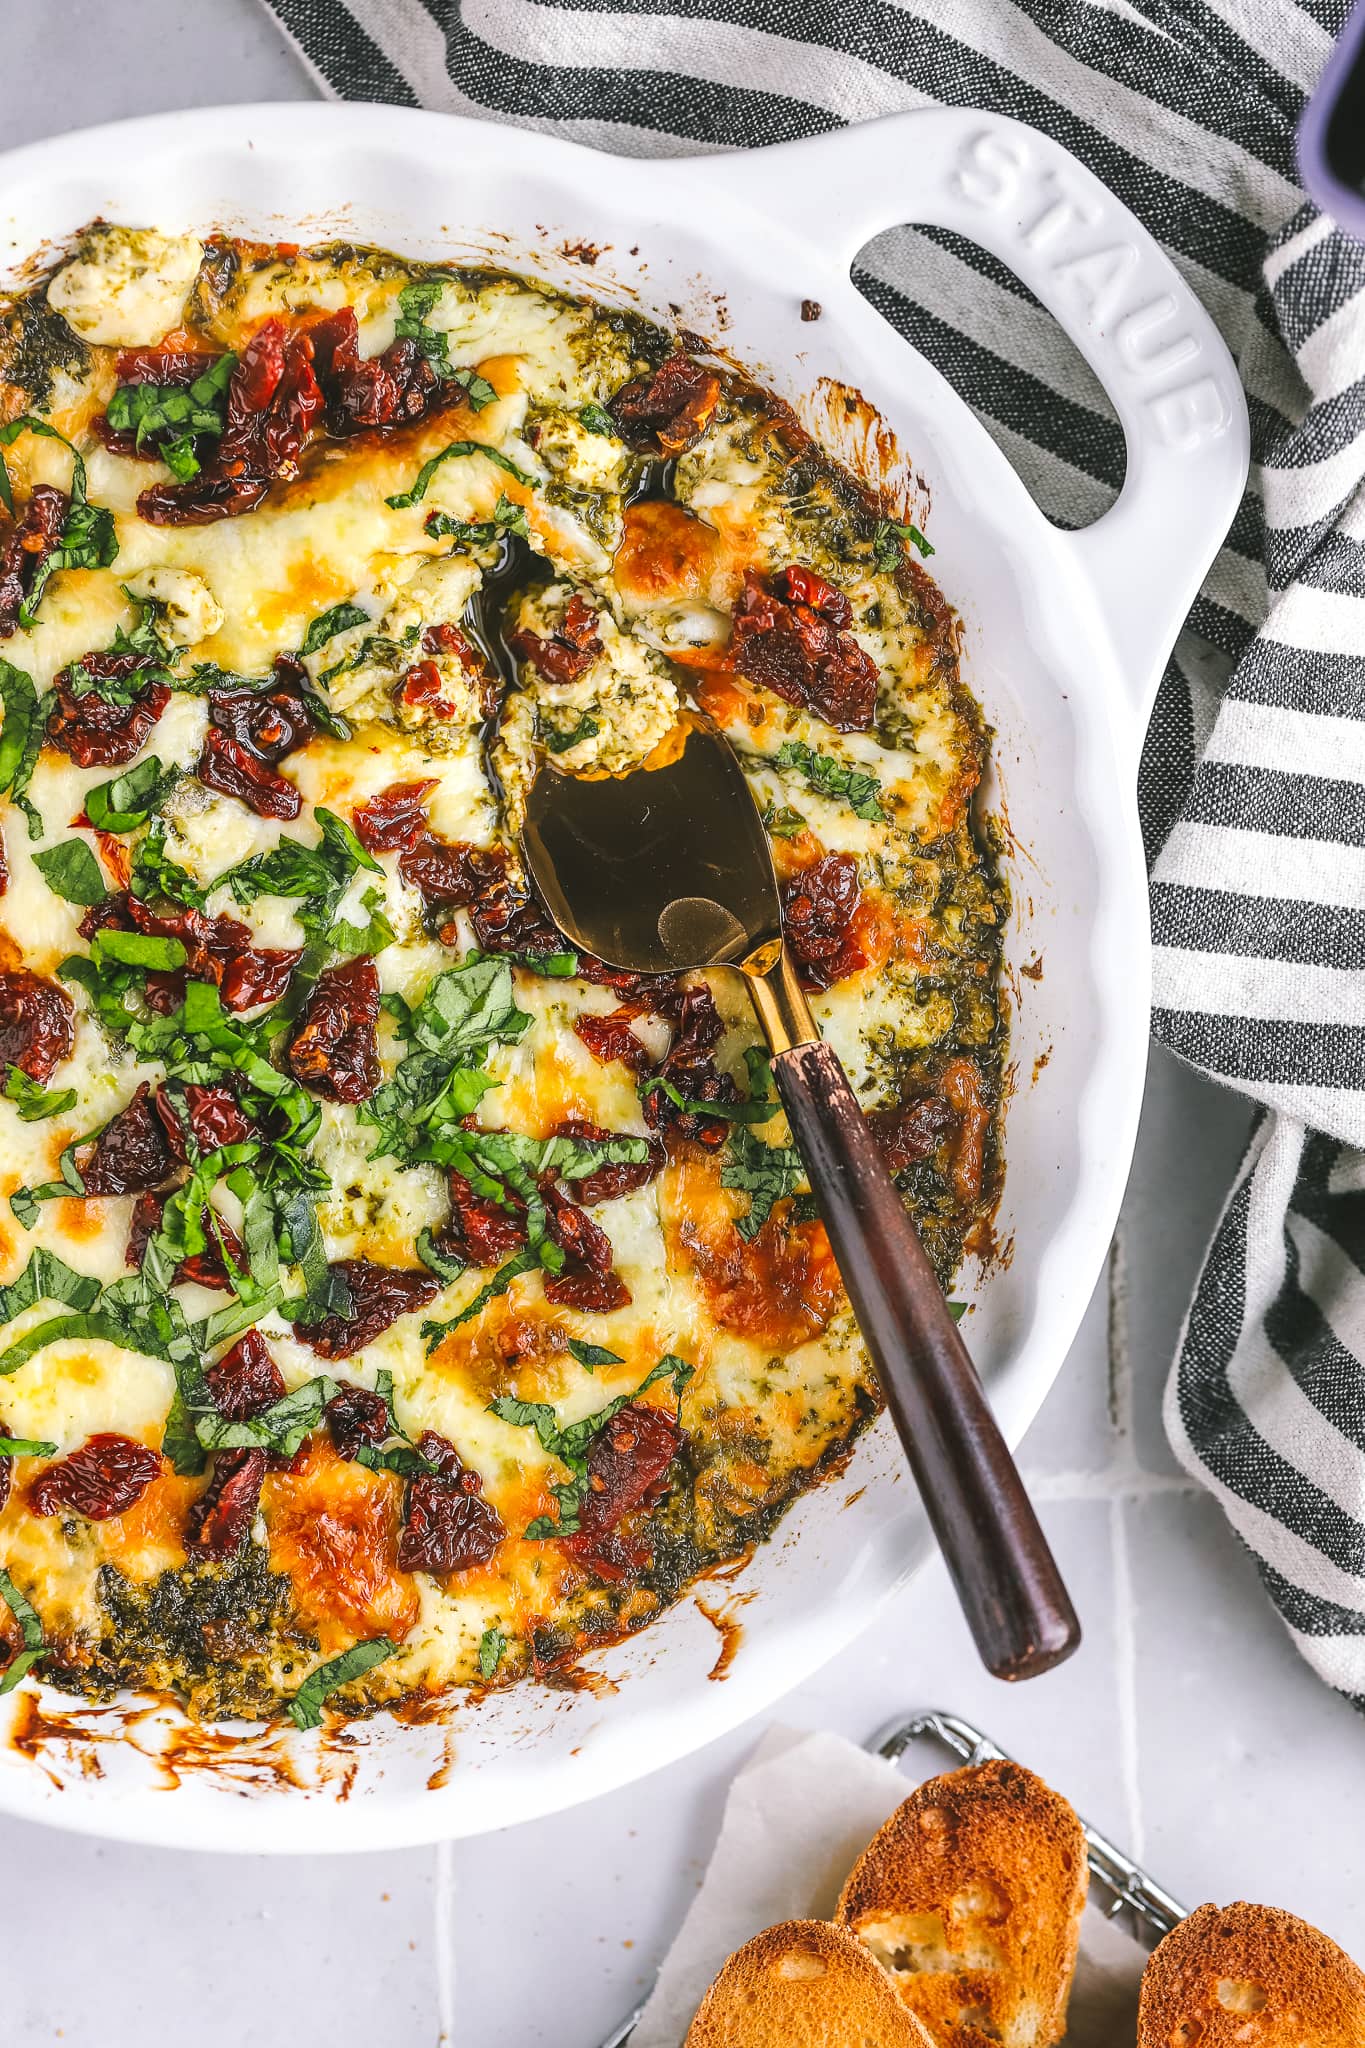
column 1253, row 777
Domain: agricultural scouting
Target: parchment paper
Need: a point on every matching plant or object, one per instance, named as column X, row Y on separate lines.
column 798, row 1817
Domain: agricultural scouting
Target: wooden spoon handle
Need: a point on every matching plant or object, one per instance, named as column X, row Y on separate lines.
column 1020, row 1615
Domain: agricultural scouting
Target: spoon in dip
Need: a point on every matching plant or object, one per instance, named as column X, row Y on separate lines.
column 669, row 868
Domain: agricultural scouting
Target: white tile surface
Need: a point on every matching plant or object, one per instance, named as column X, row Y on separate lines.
column 1187, row 1725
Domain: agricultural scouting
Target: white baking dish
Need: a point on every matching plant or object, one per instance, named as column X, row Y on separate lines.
column 1064, row 639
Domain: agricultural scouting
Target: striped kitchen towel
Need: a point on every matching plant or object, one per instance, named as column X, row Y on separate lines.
column 1253, row 776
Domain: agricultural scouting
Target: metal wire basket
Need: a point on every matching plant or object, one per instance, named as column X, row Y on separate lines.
column 1129, row 1895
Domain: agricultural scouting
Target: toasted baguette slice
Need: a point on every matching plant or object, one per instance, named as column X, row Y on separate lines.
column 804, row 1984
column 1250, row 1977
column 971, row 1897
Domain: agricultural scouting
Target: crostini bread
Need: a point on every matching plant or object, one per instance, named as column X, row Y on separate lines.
column 970, row 1897
column 1250, row 1977
column 804, row 1984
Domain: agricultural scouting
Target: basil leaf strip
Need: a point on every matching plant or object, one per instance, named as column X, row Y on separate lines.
column 860, row 791
column 25, row 1447
column 305, row 1709
column 30, row 1629
column 767, row 1173
column 34, row 1102
column 71, row 871
column 129, row 800
column 492, row 1646
column 21, row 740
column 328, row 624
column 428, row 470
column 88, row 539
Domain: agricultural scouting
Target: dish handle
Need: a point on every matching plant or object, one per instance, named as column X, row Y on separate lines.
column 1112, row 290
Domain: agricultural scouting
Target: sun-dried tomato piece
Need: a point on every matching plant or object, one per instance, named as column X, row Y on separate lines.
column 157, row 364
column 267, row 723
column 259, row 975
column 206, row 1268
column 393, row 820
column 665, row 411
column 689, row 1068
column 611, row 1038
column 912, row 1132
column 445, row 638
column 450, row 873
column 788, row 636
column 480, row 1231
column 571, row 649
column 131, row 1152
column 204, row 500
column 246, row 1379
column 226, row 766
column 448, row 1526
column 4, row 865
column 628, row 1465
column 818, row 908
column 104, row 1478
column 387, row 390
column 423, row 687
column 37, row 1030
column 6, row 1481
column 216, row 1117
column 357, row 1416
column 506, row 920
column 273, row 403
column 587, row 1281
column 220, row 1520
column 608, row 1182
column 95, row 734
column 335, row 1050
column 26, row 547
column 379, row 1295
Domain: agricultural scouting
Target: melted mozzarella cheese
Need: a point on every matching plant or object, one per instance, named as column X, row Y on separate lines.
column 127, row 286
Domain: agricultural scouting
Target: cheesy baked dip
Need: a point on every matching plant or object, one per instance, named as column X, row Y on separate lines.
column 393, row 1298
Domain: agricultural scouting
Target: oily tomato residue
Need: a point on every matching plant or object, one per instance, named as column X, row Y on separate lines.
column 731, row 1633
column 780, row 1288
column 334, row 1532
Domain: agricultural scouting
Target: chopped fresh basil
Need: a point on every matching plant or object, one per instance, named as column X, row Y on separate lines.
column 571, row 1444
column 34, row 1102
column 130, row 799
column 281, row 1428
column 71, row 871
column 783, row 822
column 592, row 1355
column 477, row 533
column 767, row 1173
column 429, row 469
column 957, row 1310
column 319, row 876
column 559, row 741
column 446, row 1268
column 492, row 1647
column 888, row 540
column 88, row 538
column 833, row 778
column 105, row 1329
column 169, row 417
column 21, row 739
column 761, row 1111
column 524, row 1261
column 30, row 1630
column 47, row 1277
column 596, row 418
column 467, row 1009
column 156, row 874
column 25, row 1447
column 138, row 949
column 328, row 624
column 305, row 1709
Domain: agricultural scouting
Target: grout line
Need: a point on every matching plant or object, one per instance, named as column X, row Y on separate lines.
column 443, row 1913
column 1107, row 1485
column 1125, row 1675
column 1116, row 1335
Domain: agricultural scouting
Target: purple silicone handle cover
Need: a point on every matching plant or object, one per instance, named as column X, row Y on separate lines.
column 1332, row 132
